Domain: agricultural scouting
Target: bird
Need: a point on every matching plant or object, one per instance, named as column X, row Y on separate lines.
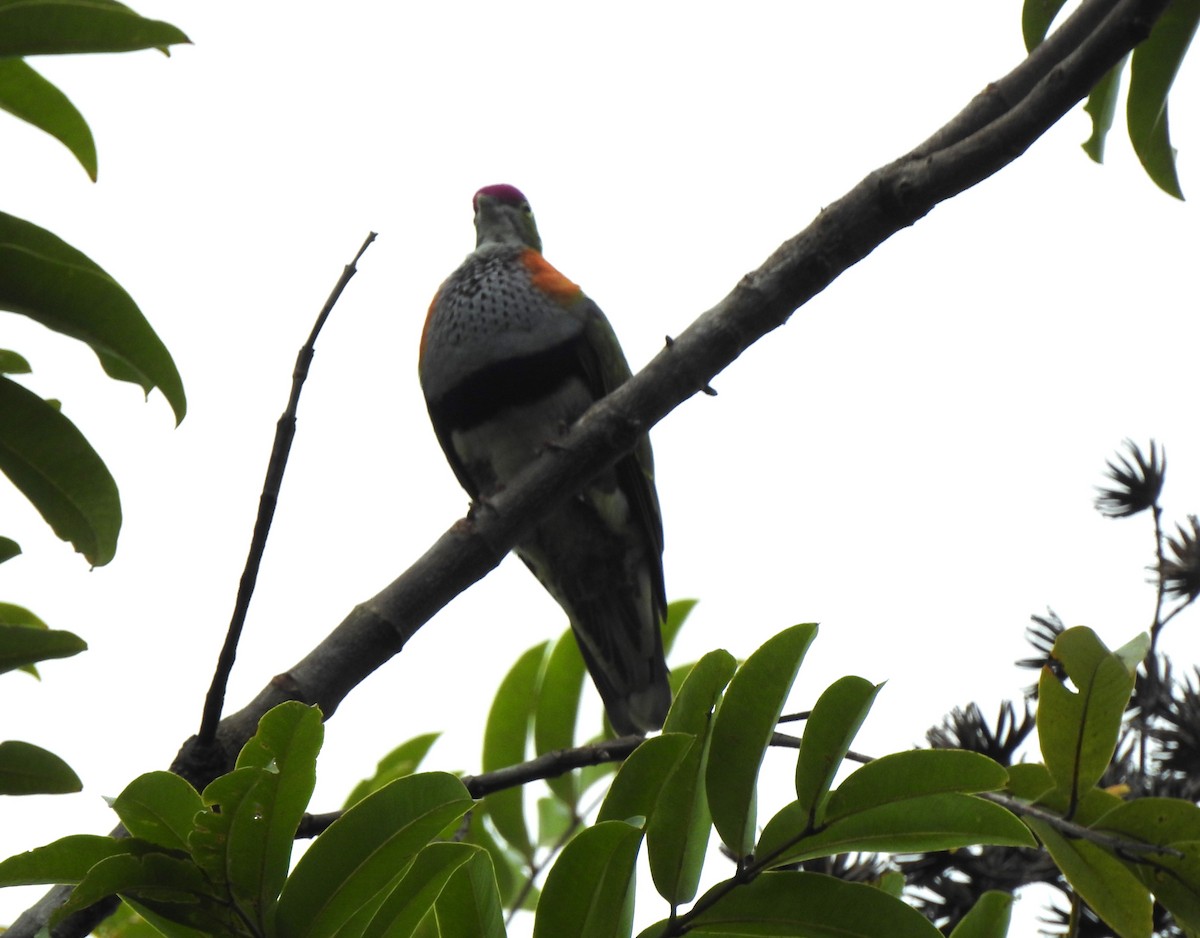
column 512, row 353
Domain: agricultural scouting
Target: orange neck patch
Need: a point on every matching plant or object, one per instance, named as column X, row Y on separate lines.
column 547, row 279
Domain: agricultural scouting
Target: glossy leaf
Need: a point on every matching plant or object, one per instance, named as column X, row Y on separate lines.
column 506, row 863
column 26, row 94
column 1078, row 730
column 1036, row 17
column 635, row 790
column 505, row 739
column 1155, row 64
column 401, row 761
column 261, row 823
column 828, row 733
column 23, row 644
column 468, row 906
column 1101, row 880
column 364, row 850
column 810, row 905
column 48, row 459
column 558, row 709
column 1101, row 107
column 918, row 825
column 159, row 807
column 168, row 879
column 988, row 918
column 677, row 833
column 64, row 861
column 44, row 278
column 903, row 775
column 743, row 728
column 26, row 769
column 47, row 27
column 419, row 888
column 586, row 890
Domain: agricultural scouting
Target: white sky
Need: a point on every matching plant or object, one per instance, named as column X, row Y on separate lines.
column 910, row 461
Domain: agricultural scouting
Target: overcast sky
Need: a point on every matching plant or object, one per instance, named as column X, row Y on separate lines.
column 910, row 461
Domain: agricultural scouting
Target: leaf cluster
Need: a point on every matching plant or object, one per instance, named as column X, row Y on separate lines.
column 41, row 451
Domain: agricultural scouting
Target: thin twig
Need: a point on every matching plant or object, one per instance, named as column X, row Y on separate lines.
column 548, row 765
column 285, row 432
column 1114, row 842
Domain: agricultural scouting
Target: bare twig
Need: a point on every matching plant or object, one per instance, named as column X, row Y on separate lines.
column 285, row 432
column 547, row 765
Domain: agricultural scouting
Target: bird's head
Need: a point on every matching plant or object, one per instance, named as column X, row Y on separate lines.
column 503, row 216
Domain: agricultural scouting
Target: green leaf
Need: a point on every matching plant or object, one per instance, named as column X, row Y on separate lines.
column 828, row 732
column 1161, row 821
column 401, row 761
column 1078, row 731
column 1029, row 781
column 915, row 773
column 1101, row 880
column 691, row 710
column 26, row 769
column 27, row 95
column 168, row 879
column 555, row 821
column 8, row 549
column 677, row 615
column 22, row 643
column 586, row 891
column 260, row 806
column 505, row 738
column 1155, row 65
column 635, row 790
column 419, row 888
column 64, row 861
column 12, row 363
column 43, row 277
column 557, row 709
column 743, row 728
column 988, row 918
column 1175, row 882
column 159, row 807
column 1036, row 17
column 917, row 825
column 127, row 922
column 1102, row 107
column 811, row 905
column 677, row 832
column 469, row 906
column 1169, row 822
column 47, row 27
column 48, row 459
column 364, row 851
column 506, row 863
